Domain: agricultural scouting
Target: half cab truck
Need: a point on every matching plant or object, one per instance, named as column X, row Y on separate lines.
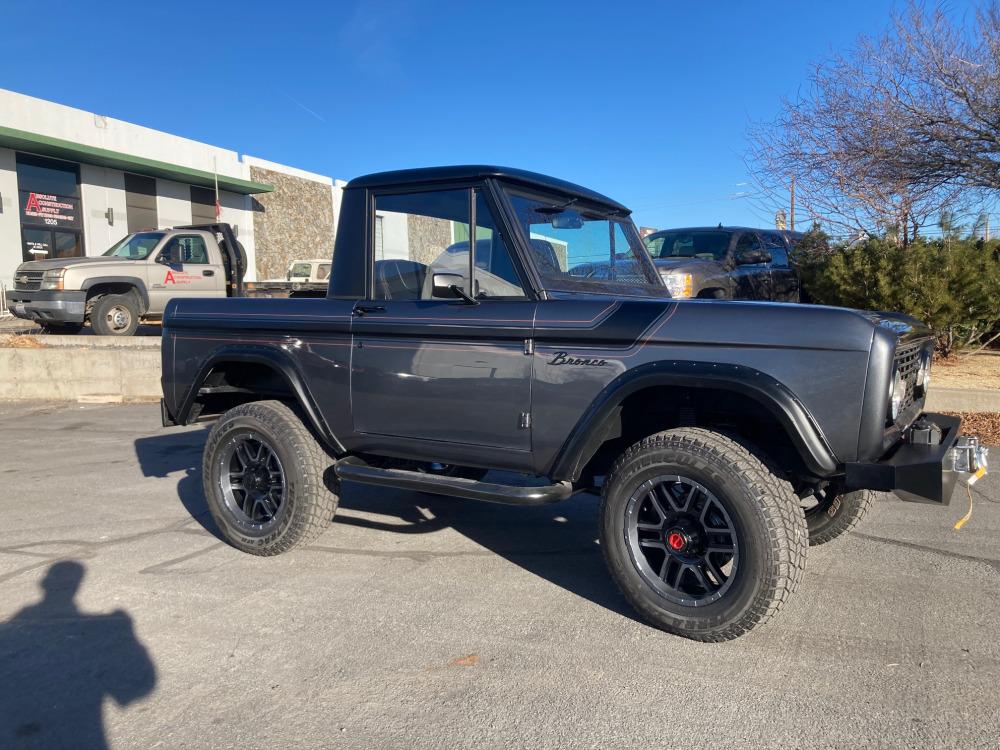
column 459, row 351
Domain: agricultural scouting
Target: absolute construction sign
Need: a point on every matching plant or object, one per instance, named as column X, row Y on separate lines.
column 50, row 210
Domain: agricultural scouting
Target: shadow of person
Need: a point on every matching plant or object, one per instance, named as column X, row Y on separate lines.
column 57, row 664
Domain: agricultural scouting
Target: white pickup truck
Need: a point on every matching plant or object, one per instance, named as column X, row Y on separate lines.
column 135, row 279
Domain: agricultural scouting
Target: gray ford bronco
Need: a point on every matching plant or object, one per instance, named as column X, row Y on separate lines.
column 459, row 351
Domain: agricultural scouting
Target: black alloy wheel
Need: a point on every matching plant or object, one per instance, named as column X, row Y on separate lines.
column 252, row 483
column 682, row 540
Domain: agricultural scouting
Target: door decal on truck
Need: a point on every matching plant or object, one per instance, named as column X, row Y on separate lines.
column 178, row 277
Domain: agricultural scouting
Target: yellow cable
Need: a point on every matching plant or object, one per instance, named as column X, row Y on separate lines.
column 967, row 516
column 968, row 487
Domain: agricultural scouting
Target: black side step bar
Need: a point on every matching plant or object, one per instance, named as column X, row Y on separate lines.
column 354, row 469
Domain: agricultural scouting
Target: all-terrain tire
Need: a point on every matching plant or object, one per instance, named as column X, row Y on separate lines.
column 115, row 315
column 768, row 521
column 307, row 507
column 834, row 514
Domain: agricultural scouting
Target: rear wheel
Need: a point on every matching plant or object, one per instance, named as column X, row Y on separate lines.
column 263, row 479
column 831, row 513
column 115, row 315
column 701, row 538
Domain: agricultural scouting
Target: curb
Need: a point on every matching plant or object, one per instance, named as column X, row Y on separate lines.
column 63, row 371
column 963, row 399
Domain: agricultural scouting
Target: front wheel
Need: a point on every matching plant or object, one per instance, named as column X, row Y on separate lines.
column 700, row 537
column 831, row 513
column 115, row 315
column 263, row 477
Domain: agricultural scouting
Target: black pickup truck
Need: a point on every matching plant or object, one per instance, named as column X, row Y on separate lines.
column 460, row 351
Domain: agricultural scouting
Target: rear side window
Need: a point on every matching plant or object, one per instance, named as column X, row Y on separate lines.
column 774, row 243
column 300, row 269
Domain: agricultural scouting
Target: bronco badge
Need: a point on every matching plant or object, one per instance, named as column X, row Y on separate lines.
column 562, row 358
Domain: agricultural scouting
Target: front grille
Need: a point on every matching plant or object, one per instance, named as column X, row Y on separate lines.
column 908, row 363
column 28, row 281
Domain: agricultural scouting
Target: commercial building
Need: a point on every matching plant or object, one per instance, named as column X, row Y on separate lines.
column 73, row 183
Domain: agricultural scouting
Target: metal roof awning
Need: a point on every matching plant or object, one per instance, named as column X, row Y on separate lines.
column 58, row 148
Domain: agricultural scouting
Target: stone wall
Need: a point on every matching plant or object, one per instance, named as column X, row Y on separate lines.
column 428, row 237
column 294, row 222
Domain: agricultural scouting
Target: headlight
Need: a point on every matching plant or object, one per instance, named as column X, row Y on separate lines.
column 897, row 393
column 679, row 284
column 924, row 373
column 53, row 279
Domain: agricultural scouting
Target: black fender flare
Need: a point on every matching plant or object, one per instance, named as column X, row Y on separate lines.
column 282, row 364
column 775, row 397
column 133, row 281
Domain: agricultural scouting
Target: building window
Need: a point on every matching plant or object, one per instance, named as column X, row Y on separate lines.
column 51, row 220
column 202, row 205
column 140, row 202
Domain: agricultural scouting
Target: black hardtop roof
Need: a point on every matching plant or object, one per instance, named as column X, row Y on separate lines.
column 482, row 171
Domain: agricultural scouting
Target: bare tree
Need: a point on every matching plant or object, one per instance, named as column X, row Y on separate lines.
column 885, row 136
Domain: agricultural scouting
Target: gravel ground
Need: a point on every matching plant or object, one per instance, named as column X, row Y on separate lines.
column 425, row 622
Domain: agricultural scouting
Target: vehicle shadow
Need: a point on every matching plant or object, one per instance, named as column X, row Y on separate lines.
column 179, row 451
column 57, row 665
column 555, row 542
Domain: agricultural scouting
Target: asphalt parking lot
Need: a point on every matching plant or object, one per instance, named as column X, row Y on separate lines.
column 426, row 622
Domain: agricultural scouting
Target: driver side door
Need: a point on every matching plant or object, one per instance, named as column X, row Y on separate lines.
column 184, row 267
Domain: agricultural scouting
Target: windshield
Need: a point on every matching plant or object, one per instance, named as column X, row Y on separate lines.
column 576, row 248
column 136, row 246
column 707, row 245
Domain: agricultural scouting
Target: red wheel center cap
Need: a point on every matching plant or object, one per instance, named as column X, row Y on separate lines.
column 676, row 541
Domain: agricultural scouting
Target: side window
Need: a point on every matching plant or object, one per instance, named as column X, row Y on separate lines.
column 185, row 249
column 418, row 231
column 775, row 244
column 747, row 243
column 495, row 275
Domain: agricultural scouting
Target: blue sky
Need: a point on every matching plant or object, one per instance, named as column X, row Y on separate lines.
column 646, row 102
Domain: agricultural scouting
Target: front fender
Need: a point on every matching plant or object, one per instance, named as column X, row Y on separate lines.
column 134, row 281
column 777, row 399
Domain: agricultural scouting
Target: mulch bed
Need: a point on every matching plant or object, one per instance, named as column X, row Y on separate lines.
column 986, row 425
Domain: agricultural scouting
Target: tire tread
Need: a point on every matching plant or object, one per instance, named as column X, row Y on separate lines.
column 782, row 515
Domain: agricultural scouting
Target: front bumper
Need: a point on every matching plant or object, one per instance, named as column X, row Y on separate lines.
column 44, row 306
column 922, row 471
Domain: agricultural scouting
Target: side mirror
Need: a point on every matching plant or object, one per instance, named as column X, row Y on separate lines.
column 443, row 283
column 751, row 257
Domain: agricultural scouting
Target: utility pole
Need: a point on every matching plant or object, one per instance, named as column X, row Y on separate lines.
column 987, row 234
column 792, row 216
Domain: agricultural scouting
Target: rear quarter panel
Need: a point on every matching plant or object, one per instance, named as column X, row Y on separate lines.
column 312, row 335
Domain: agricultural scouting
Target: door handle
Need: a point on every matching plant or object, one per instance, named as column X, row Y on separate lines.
column 365, row 309
column 208, row 273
